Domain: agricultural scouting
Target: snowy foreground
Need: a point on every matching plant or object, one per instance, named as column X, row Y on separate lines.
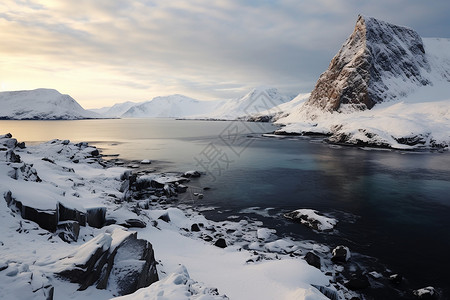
column 195, row 258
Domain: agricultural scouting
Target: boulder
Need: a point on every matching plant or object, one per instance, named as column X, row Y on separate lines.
column 68, row 231
column 129, row 223
column 340, row 254
column 357, row 282
column 164, row 217
column 96, row 216
column 313, row 260
column 312, row 219
column 191, row 174
column 221, row 243
column 12, row 157
column 396, row 278
column 427, row 293
column 195, row 228
column 70, row 214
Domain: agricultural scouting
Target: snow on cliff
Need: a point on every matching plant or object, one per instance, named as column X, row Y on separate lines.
column 403, row 79
column 41, row 104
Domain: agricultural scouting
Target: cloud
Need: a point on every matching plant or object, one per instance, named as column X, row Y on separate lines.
column 208, row 49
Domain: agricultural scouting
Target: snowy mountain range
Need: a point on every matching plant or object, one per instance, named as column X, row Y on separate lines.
column 41, row 104
column 179, row 106
column 386, row 87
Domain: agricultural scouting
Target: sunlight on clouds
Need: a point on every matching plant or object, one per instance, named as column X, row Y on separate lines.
column 135, row 50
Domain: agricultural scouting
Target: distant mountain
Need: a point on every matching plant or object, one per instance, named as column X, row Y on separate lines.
column 116, row 110
column 173, row 106
column 179, row 106
column 385, row 87
column 41, row 104
column 256, row 101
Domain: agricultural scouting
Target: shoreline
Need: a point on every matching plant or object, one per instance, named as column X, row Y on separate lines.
column 265, row 243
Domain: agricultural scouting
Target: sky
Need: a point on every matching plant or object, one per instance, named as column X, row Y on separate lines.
column 103, row 52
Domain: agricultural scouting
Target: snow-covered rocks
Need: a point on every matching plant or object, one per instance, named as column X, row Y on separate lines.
column 340, row 254
column 177, row 285
column 312, row 219
column 41, row 104
column 427, row 293
column 117, row 261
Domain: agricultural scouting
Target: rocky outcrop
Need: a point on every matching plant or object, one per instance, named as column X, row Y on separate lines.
column 372, row 66
column 117, row 261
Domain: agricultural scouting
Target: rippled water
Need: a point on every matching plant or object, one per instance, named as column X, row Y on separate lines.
column 393, row 206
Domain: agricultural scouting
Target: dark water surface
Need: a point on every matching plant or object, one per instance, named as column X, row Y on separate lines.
column 391, row 205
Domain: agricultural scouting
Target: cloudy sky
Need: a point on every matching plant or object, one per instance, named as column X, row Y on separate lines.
column 107, row 51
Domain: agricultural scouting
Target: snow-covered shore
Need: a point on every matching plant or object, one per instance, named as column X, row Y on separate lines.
column 253, row 263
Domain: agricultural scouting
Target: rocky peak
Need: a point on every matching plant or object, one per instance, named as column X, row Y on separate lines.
column 378, row 62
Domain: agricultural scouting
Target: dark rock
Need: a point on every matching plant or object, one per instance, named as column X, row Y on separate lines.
column 71, row 214
column 95, row 152
column 21, row 145
column 181, row 188
column 110, row 222
column 129, row 223
column 357, row 282
column 313, row 260
column 221, row 243
column 48, row 160
column 96, row 216
column 165, row 217
column 86, row 270
column 129, row 274
column 195, row 228
column 340, row 254
column 396, row 278
column 207, row 238
column 427, row 293
column 12, row 157
column 68, row 231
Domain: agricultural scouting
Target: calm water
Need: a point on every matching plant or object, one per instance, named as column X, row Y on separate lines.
column 392, row 206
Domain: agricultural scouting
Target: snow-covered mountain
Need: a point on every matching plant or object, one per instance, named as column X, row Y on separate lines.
column 386, row 86
column 116, row 110
column 173, row 106
column 179, row 106
column 258, row 100
column 41, row 104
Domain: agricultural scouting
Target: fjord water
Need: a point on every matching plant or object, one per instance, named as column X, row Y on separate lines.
column 392, row 206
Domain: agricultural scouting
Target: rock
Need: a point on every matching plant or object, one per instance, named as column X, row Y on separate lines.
column 21, row 145
column 165, row 217
column 340, row 254
column 86, row 263
column 427, row 293
column 193, row 174
column 68, row 231
column 96, row 216
column 12, row 157
column 312, row 219
column 313, row 260
column 145, row 162
column 181, row 188
column 357, row 282
column 221, row 243
column 396, row 278
column 71, row 214
column 195, row 228
column 129, row 223
column 134, row 267
column 368, row 66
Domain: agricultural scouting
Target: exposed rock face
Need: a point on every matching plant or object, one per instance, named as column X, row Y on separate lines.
column 117, row 261
column 372, row 66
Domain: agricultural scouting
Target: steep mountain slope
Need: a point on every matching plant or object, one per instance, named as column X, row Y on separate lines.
column 41, row 104
column 386, row 87
column 378, row 62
